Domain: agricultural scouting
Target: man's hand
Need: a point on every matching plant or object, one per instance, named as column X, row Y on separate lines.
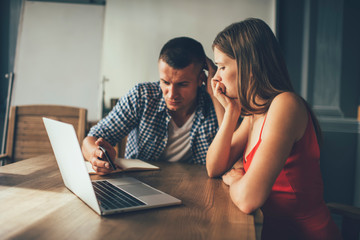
column 94, row 155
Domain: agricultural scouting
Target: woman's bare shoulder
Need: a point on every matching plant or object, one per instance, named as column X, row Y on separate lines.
column 289, row 102
column 289, row 110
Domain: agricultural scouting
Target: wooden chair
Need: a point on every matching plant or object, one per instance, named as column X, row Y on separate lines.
column 350, row 227
column 26, row 134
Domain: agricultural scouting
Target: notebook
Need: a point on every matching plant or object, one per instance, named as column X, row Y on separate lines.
column 107, row 196
column 127, row 165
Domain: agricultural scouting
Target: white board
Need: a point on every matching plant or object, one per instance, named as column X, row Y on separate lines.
column 58, row 56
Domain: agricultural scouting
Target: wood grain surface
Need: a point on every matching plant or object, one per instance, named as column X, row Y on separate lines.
column 36, row 205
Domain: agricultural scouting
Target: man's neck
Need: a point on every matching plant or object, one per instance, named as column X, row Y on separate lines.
column 180, row 117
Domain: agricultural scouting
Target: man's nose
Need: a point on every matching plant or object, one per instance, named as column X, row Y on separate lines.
column 172, row 91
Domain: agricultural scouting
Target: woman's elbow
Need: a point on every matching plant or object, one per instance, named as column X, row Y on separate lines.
column 246, row 205
column 211, row 173
column 247, row 208
column 214, row 170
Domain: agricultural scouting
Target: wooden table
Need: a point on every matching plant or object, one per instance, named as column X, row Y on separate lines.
column 34, row 204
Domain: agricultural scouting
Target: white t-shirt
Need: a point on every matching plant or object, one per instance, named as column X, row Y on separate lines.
column 178, row 145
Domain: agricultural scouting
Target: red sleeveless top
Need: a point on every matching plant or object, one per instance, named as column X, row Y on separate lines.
column 295, row 208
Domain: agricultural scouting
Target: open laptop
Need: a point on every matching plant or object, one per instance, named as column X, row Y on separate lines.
column 103, row 196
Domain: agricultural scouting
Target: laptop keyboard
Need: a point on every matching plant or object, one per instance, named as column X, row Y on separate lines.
column 111, row 197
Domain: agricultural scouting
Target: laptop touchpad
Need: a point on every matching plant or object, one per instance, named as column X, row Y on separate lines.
column 139, row 189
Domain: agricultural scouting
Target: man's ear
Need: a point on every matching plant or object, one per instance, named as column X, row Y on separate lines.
column 202, row 78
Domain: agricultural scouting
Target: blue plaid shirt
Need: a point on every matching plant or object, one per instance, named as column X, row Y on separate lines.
column 143, row 116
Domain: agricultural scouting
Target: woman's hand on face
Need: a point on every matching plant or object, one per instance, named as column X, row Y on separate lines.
column 219, row 91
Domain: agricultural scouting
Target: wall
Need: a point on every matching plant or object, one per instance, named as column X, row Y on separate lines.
column 136, row 30
column 320, row 43
column 58, row 61
column 134, row 33
column 10, row 12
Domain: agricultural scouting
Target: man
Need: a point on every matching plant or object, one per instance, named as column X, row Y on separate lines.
column 171, row 120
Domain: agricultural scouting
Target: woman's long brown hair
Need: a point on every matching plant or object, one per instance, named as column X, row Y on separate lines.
column 262, row 71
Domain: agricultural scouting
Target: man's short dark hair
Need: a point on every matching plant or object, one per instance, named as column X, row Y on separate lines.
column 180, row 52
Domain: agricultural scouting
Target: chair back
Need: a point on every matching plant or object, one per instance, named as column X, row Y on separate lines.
column 350, row 226
column 26, row 135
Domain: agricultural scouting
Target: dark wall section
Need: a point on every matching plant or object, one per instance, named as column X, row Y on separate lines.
column 338, row 166
column 4, row 57
column 290, row 35
column 351, row 59
column 320, row 41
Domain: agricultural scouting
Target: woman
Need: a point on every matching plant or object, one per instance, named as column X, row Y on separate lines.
column 277, row 138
